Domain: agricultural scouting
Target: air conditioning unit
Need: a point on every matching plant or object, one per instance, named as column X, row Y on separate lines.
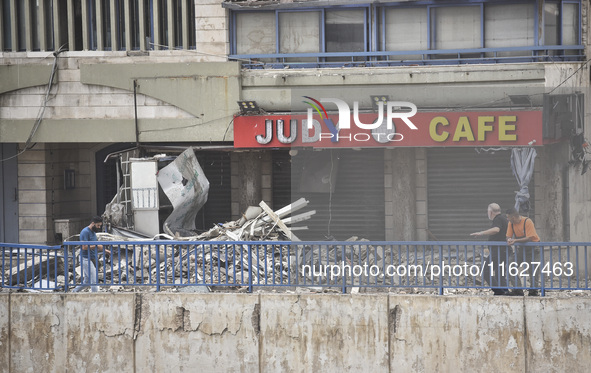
column 563, row 115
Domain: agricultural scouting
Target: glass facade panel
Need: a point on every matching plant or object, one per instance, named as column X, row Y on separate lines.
column 406, row 29
column 345, row 30
column 456, row 27
column 570, row 24
column 255, row 33
column 299, row 32
column 509, row 25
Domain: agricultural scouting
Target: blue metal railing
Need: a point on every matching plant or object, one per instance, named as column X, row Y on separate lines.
column 339, row 265
column 414, row 57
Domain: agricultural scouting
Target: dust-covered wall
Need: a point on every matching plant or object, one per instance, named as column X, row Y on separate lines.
column 139, row 332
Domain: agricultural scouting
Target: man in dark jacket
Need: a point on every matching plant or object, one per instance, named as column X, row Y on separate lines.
column 89, row 255
column 497, row 259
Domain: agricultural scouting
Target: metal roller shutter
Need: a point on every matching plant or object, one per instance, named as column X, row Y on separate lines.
column 460, row 185
column 217, row 209
column 281, row 178
column 356, row 207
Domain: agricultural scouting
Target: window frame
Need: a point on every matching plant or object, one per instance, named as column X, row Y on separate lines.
column 375, row 38
column 322, row 19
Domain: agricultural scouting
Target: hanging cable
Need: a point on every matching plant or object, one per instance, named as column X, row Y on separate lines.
column 43, row 107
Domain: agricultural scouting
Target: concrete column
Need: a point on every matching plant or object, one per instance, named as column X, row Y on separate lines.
column 156, row 18
column 71, row 26
column 421, row 192
column 127, row 9
column 85, row 27
column 34, row 195
column 401, row 194
column 41, row 25
column 249, row 180
column 100, row 45
column 28, row 27
column 57, row 22
column 211, row 29
column 13, row 28
column 185, row 23
column 550, row 189
column 142, row 26
column 113, row 16
column 170, row 25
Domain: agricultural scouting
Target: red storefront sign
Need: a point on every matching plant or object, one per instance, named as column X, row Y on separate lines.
column 486, row 129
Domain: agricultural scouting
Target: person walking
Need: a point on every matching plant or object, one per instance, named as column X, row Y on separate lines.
column 495, row 264
column 89, row 255
column 522, row 230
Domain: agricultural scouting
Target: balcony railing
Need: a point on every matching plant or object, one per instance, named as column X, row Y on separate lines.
column 337, row 265
column 417, row 57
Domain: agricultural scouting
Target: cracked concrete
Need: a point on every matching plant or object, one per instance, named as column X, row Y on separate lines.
column 288, row 332
column 256, row 318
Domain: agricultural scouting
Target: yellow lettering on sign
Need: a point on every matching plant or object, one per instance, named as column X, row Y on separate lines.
column 433, row 129
column 483, row 127
column 463, row 130
column 504, row 126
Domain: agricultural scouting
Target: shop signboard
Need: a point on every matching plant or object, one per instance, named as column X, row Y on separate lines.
column 407, row 128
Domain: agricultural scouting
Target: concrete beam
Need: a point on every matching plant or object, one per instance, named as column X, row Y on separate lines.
column 18, row 76
column 207, row 90
column 116, row 130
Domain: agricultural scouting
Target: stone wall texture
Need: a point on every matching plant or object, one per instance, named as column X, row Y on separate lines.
column 141, row 332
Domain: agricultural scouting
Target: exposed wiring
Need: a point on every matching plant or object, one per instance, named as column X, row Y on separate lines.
column 492, row 150
column 571, row 75
column 207, row 54
column 182, row 127
column 227, row 128
column 43, row 107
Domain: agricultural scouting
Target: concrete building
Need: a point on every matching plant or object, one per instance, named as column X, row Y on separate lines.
column 82, row 80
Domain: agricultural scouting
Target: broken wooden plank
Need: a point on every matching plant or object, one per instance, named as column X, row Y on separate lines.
column 284, row 211
column 299, row 218
column 279, row 222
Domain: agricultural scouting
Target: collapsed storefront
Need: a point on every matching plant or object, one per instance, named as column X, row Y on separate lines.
column 401, row 183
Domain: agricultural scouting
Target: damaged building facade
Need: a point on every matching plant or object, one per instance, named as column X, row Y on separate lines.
column 82, row 83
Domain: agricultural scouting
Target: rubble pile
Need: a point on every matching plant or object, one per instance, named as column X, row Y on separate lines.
column 262, row 241
column 222, row 260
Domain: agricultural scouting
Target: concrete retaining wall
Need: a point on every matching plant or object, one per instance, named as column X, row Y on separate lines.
column 142, row 332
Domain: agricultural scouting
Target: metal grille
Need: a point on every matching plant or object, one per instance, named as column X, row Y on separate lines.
column 356, row 205
column 461, row 183
column 217, row 209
